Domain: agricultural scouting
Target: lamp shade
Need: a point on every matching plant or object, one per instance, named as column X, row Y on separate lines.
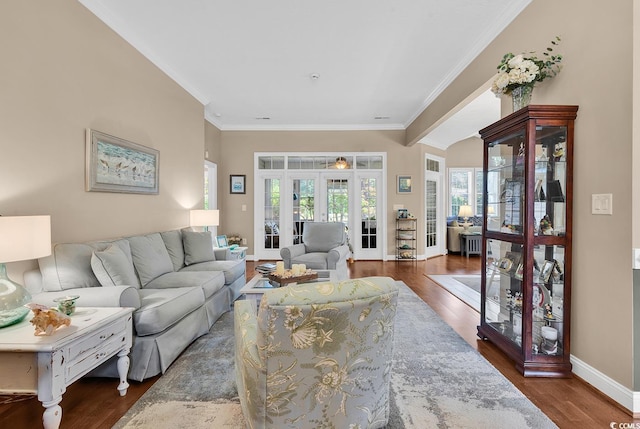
column 465, row 211
column 204, row 218
column 24, row 237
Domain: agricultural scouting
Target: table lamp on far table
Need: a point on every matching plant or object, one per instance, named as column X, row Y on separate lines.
column 21, row 238
column 205, row 218
column 465, row 212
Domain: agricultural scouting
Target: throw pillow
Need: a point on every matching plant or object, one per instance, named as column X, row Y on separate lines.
column 150, row 257
column 454, row 223
column 198, row 247
column 113, row 267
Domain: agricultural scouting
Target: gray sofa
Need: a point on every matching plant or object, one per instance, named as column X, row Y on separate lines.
column 177, row 282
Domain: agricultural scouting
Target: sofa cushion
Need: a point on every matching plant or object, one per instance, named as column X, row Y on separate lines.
column 68, row 267
column 209, row 281
column 173, row 243
column 314, row 261
column 232, row 270
column 150, row 257
column 114, row 266
column 323, row 236
column 198, row 247
column 162, row 308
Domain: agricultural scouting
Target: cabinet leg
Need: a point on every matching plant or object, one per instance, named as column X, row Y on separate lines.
column 123, row 371
column 52, row 415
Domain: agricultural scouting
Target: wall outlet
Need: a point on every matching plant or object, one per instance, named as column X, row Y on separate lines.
column 244, row 241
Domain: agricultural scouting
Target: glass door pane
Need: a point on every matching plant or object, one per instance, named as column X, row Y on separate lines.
column 431, row 214
column 304, row 194
column 505, row 184
column 368, row 212
column 338, row 200
column 272, row 213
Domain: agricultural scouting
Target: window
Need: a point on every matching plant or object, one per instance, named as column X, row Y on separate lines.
column 465, row 189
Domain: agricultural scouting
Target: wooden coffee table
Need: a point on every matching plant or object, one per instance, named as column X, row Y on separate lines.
column 257, row 286
column 46, row 365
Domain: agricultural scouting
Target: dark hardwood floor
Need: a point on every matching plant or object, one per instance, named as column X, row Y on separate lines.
column 570, row 403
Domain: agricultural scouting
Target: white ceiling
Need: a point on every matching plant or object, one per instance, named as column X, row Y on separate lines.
column 380, row 63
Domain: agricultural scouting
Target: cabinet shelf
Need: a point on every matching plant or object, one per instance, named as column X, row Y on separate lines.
column 527, row 229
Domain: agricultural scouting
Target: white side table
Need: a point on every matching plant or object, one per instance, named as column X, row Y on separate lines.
column 239, row 253
column 46, row 365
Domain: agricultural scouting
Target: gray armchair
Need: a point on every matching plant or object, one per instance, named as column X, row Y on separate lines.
column 324, row 247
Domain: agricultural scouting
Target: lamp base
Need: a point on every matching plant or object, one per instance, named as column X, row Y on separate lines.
column 13, row 297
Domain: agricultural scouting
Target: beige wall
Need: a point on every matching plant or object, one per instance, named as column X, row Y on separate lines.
column 63, row 71
column 465, row 153
column 597, row 76
column 238, row 148
column 212, row 142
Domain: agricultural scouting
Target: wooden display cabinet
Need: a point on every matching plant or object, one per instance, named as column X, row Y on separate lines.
column 526, row 249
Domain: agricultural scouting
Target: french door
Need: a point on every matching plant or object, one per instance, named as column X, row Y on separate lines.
column 288, row 198
column 317, row 197
column 434, row 224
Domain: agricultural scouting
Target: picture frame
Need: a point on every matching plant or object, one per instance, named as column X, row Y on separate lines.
column 117, row 165
column 403, row 214
column 221, row 241
column 237, row 184
column 509, row 263
column 547, row 270
column 512, row 197
column 519, row 274
column 404, row 184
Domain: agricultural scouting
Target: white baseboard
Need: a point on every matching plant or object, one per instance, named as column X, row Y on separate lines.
column 605, row 384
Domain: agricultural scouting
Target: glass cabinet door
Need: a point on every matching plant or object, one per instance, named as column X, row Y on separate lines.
column 504, row 290
column 547, row 298
column 550, row 217
column 506, row 184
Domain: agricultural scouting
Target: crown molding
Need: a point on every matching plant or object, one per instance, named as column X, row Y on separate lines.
column 132, row 38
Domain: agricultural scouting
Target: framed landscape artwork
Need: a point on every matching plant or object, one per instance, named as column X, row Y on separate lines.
column 404, row 184
column 118, row 165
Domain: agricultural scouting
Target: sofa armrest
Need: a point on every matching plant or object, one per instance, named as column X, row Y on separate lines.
column 222, row 254
column 110, row 296
column 250, row 370
column 246, row 328
column 291, row 252
column 336, row 255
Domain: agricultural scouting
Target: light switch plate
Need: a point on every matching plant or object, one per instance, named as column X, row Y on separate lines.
column 602, row 204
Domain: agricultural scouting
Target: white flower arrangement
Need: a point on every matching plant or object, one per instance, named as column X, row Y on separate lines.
column 525, row 69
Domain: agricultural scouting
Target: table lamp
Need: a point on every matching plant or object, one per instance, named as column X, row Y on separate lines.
column 465, row 212
column 21, row 238
column 205, row 218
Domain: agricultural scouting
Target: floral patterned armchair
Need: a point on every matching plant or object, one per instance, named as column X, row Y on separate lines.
column 317, row 355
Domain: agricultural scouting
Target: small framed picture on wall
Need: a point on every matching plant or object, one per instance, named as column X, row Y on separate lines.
column 404, row 184
column 237, row 184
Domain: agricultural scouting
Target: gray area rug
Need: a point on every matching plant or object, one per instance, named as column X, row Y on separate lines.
column 438, row 381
